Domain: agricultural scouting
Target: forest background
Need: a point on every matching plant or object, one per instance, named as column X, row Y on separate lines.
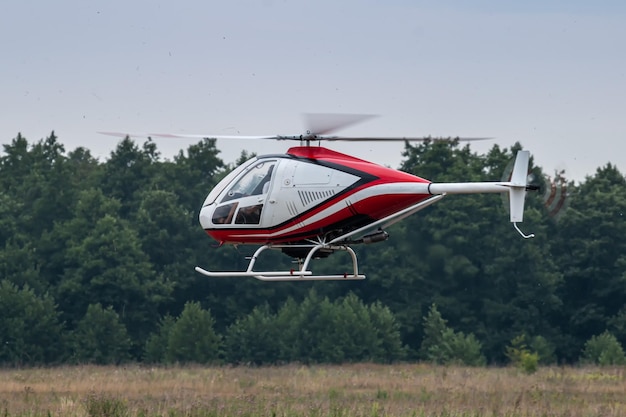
column 97, row 266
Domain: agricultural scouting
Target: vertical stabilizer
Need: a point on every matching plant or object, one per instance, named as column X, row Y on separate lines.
column 517, row 190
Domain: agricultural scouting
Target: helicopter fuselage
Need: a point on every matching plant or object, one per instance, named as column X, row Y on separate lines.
column 307, row 193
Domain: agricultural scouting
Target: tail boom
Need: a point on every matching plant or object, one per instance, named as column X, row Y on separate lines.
column 516, row 187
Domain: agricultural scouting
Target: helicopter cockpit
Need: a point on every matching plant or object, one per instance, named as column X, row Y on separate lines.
column 241, row 201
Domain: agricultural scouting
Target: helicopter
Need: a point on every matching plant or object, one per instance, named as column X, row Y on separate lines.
column 313, row 201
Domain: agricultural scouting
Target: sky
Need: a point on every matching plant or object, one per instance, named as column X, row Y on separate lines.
column 549, row 74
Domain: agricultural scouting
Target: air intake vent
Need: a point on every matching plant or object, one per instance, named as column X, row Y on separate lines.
column 311, row 197
column 291, row 207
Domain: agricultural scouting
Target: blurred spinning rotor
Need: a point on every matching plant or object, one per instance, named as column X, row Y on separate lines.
column 553, row 189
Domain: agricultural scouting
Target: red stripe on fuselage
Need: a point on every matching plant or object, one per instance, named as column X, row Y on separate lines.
column 370, row 209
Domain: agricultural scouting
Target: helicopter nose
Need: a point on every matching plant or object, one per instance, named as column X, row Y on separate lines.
column 205, row 216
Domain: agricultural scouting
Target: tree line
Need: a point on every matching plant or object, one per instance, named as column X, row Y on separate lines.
column 97, row 258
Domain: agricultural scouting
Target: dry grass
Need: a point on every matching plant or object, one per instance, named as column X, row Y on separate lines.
column 353, row 390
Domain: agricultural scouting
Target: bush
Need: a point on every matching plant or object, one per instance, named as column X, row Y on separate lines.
column 256, row 339
column 190, row 338
column 156, row 345
column 520, row 355
column 442, row 345
column 603, row 350
column 466, row 350
column 316, row 330
column 529, row 362
column 388, row 338
column 544, row 350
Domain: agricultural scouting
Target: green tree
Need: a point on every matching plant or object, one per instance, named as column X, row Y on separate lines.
column 53, row 248
column 443, row 345
column 20, row 265
column 163, row 225
column 256, row 338
column 10, row 224
column 471, row 260
column 521, row 356
column 170, row 241
column 193, row 338
column 15, row 165
column 342, row 331
column 30, row 331
column 544, row 349
column 591, row 250
column 288, row 322
column 109, row 267
column 315, row 341
column 387, row 334
column 129, row 171
column 316, row 330
column 39, row 175
column 196, row 172
column 603, row 350
column 351, row 331
column 157, row 344
column 100, row 337
column 366, row 333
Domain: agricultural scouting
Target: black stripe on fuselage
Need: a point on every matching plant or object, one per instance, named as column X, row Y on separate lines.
column 342, row 227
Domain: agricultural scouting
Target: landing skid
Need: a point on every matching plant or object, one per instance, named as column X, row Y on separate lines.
column 301, row 274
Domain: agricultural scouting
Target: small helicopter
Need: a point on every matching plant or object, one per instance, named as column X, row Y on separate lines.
column 312, row 201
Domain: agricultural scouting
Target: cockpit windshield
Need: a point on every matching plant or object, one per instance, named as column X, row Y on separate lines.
column 254, row 182
column 224, row 183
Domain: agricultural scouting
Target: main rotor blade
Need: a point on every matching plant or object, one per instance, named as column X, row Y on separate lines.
column 397, row 139
column 324, row 123
column 293, row 137
column 186, row 136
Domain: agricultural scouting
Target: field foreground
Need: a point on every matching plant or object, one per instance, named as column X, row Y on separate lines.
column 351, row 390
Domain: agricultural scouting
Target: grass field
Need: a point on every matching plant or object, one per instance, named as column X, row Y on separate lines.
column 352, row 390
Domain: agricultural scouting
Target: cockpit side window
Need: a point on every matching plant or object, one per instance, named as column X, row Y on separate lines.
column 254, row 182
column 249, row 215
column 224, row 214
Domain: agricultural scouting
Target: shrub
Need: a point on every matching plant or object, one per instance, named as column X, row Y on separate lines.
column 442, row 345
column 255, row 338
column 193, row 338
column 316, row 330
column 156, row 345
column 190, row 338
column 387, row 330
column 520, row 355
column 603, row 350
column 544, row 350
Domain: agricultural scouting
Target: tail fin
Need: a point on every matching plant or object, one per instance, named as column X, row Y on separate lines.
column 517, row 189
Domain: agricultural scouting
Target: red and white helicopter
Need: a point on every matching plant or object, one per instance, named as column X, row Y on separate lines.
column 313, row 201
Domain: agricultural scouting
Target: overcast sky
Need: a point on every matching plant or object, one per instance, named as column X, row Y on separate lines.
column 550, row 74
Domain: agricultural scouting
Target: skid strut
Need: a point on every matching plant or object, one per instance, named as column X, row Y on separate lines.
column 301, row 274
